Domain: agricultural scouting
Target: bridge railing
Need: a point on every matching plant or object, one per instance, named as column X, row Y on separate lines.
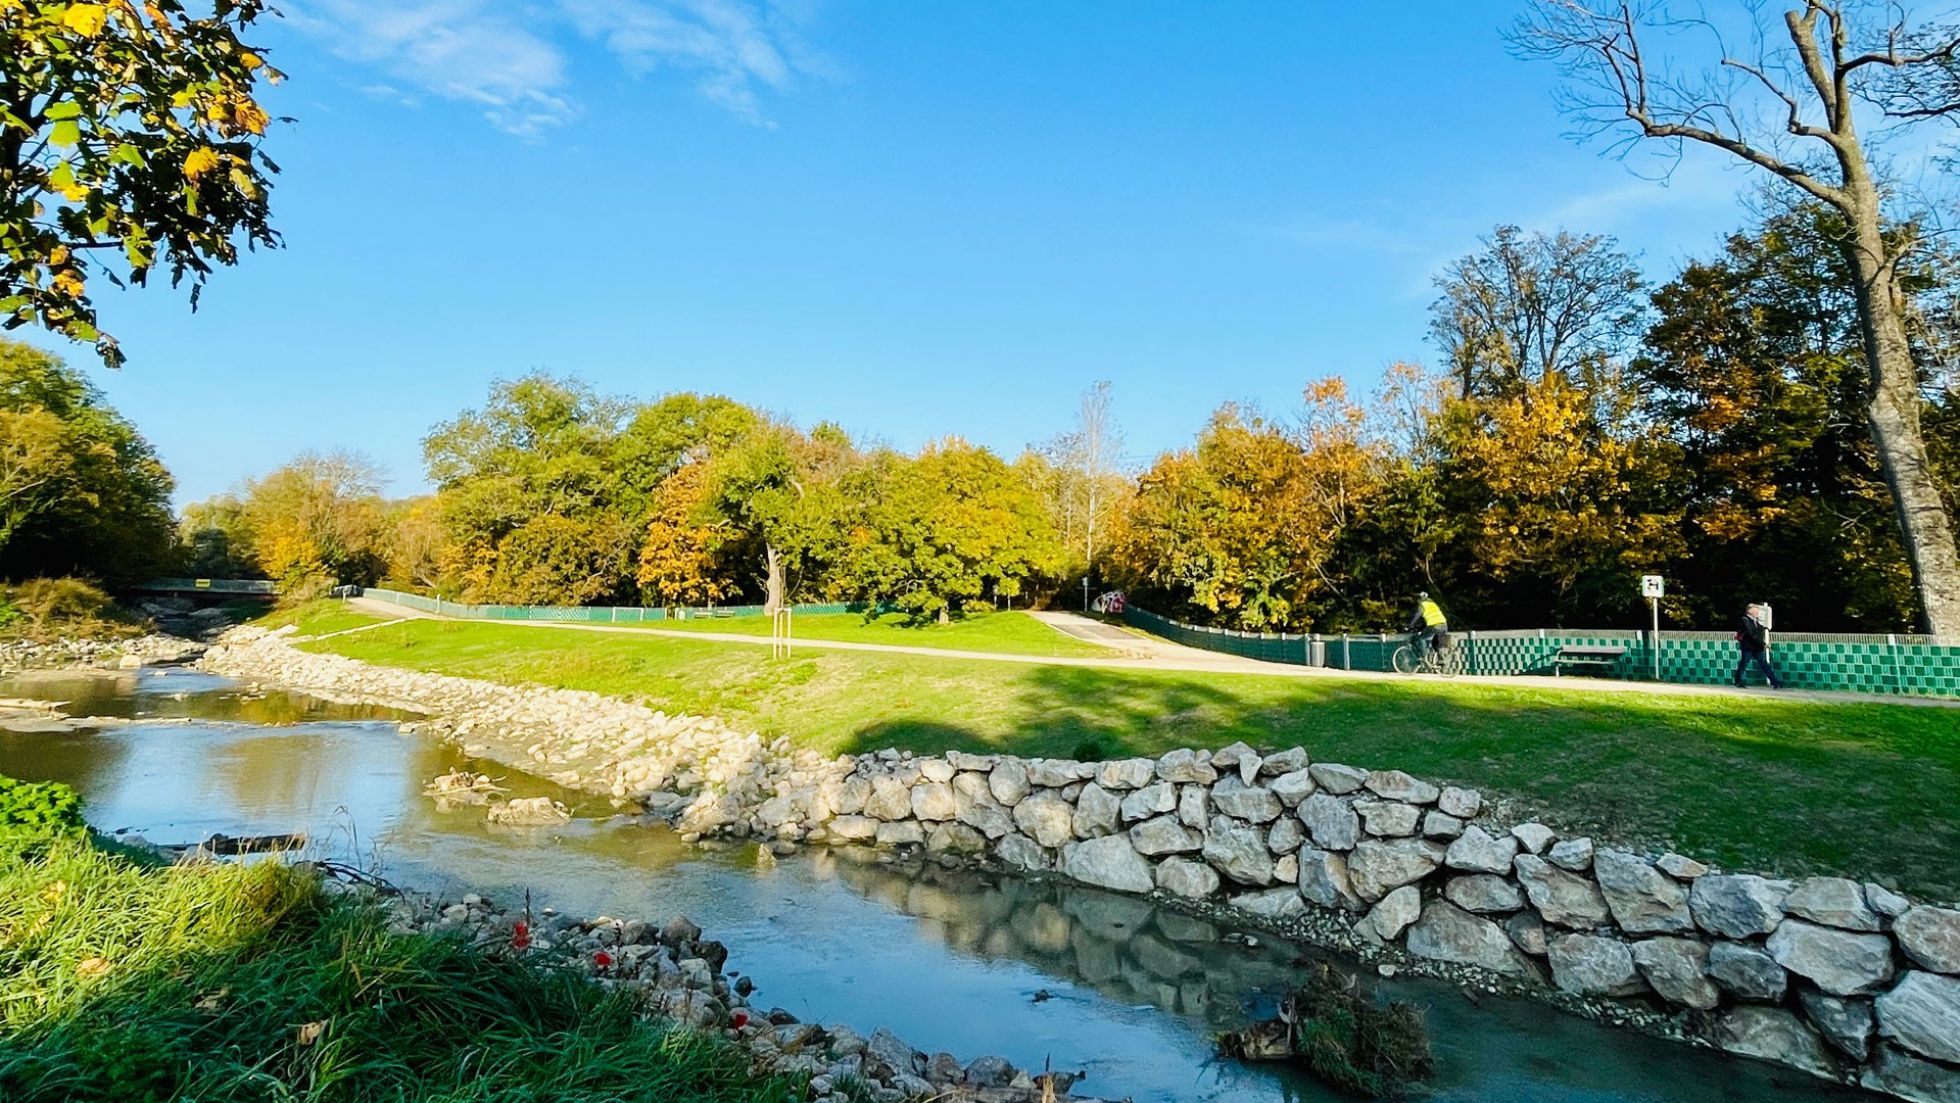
column 261, row 586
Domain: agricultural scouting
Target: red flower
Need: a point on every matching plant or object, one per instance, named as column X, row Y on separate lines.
column 602, row 959
column 739, row 1019
column 520, row 935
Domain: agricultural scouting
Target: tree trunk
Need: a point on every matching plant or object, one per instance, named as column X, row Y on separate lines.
column 1894, row 417
column 774, row 599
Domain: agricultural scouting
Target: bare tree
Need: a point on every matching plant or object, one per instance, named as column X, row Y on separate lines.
column 1100, row 441
column 1791, row 110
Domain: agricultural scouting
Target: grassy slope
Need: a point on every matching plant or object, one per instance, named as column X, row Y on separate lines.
column 122, row 983
column 317, row 618
column 1750, row 782
column 1008, row 633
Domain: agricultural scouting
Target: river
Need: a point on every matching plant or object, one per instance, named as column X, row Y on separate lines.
column 949, row 960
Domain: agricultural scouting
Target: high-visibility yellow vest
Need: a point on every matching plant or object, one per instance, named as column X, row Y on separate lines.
column 1432, row 614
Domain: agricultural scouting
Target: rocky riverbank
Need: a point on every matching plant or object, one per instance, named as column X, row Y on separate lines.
column 22, row 654
column 1843, row 979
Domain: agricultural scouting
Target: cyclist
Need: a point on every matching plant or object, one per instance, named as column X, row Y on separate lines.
column 1428, row 627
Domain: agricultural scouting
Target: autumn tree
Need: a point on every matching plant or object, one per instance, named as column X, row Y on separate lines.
column 318, row 520
column 129, row 141
column 1792, row 106
column 680, row 561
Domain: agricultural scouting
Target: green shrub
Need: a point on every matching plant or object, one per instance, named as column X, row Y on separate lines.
column 48, row 601
column 40, row 806
column 10, row 614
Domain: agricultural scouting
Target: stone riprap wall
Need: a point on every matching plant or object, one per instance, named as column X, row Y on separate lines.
column 1843, row 979
column 16, row 655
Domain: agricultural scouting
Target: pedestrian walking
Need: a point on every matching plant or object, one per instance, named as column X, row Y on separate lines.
column 1753, row 638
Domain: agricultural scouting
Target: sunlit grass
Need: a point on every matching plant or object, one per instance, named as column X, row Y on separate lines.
column 1013, row 633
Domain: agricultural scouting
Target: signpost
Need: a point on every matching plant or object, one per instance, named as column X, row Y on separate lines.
column 1653, row 587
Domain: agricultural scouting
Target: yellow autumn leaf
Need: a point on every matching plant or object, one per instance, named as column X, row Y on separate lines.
column 249, row 116
column 92, row 967
column 85, row 19
column 70, row 284
column 251, row 60
column 201, row 160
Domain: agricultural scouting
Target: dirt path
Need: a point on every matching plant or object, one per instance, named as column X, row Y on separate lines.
column 1143, row 652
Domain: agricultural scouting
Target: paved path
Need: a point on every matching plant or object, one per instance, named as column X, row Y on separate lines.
column 1139, row 651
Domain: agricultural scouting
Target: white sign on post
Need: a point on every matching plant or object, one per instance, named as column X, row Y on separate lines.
column 1652, row 585
column 1653, row 588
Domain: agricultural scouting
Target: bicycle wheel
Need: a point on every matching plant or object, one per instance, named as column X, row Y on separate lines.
column 1450, row 663
column 1404, row 660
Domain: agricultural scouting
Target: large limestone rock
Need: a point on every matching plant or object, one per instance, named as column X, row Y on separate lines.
column 1095, row 812
column 1331, row 821
column 1832, row 901
column 1534, row 837
column 1643, row 899
column 1183, row 766
column 1324, row 880
column 1527, row 932
column 1186, row 878
column 1680, row 867
column 1336, row 778
column 1484, row 893
column 1464, row 804
column 1565, row 899
column 1922, row 1014
column 1379, row 866
column 934, row 800
column 1747, row 971
column 902, row 833
column 1573, row 854
column 1286, row 835
column 1677, row 969
column 1126, row 773
column 1238, row 850
column 974, row 805
column 1279, row 903
column 1151, row 800
column 847, row 796
column 1108, row 862
column 1396, row 785
column 936, row 769
column 853, row 828
column 1886, row 902
column 1588, row 965
column 890, row 801
column 1046, row 818
column 1388, row 818
column 1058, row 773
column 1437, row 824
column 1165, row 835
column 1448, row 933
column 1773, row 1034
column 1021, row 852
column 1194, row 806
column 1846, row 1024
column 1292, row 788
column 1009, row 782
column 1284, row 762
column 1738, row 905
column 1475, row 851
column 1896, row 1072
column 1250, row 803
column 1842, row 963
column 1930, row 937
column 1388, row 919
column 955, row 838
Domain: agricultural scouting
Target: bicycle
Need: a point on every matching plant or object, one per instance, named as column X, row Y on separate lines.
column 1444, row 659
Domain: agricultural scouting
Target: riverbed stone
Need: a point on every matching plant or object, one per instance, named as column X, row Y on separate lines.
column 1324, row 880
column 1046, row 818
column 1680, row 867
column 1642, row 898
column 1096, row 812
column 1773, row 1034
column 1286, row 835
column 1194, row 806
column 1527, row 932
column 1165, row 835
column 1379, row 866
column 1437, row 824
column 1886, row 902
column 1476, row 851
column 1108, row 862
column 1184, row 765
column 1238, row 850
column 1832, row 901
column 1292, row 788
column 1896, row 1072
column 1446, row 932
column 1737, row 905
column 1464, row 804
column 1126, row 773
column 1588, row 965
column 1337, row 779
column 1573, row 854
column 1331, row 821
column 1151, row 800
column 1564, row 898
column 1484, row 894
column 1843, row 963
column 1235, row 798
column 1388, row 919
column 1399, row 786
column 890, row 801
column 1677, row 969
column 1009, row 782
column 1388, row 818
column 1276, row 903
column 1846, row 1024
column 934, row 800
column 1534, row 837
column 1746, row 970
column 1930, row 937
column 1017, row 851
column 1922, row 1014
column 1186, row 878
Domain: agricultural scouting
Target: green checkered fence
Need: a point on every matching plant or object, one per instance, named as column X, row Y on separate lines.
column 587, row 614
column 1915, row 666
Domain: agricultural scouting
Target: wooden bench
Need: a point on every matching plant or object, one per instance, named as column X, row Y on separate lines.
column 1599, row 660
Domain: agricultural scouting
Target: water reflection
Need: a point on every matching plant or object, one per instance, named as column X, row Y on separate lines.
column 953, row 960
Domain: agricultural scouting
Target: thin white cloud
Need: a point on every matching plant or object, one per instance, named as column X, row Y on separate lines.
column 512, row 58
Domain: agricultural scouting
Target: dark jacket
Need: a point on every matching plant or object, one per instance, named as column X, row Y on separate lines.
column 1752, row 635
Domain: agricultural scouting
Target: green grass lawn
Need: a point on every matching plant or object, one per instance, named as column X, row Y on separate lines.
column 1010, row 633
column 1750, row 782
column 317, row 618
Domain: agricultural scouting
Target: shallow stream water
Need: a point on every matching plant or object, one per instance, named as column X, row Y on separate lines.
column 963, row 962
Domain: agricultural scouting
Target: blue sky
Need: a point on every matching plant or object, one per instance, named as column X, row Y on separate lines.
column 914, row 219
